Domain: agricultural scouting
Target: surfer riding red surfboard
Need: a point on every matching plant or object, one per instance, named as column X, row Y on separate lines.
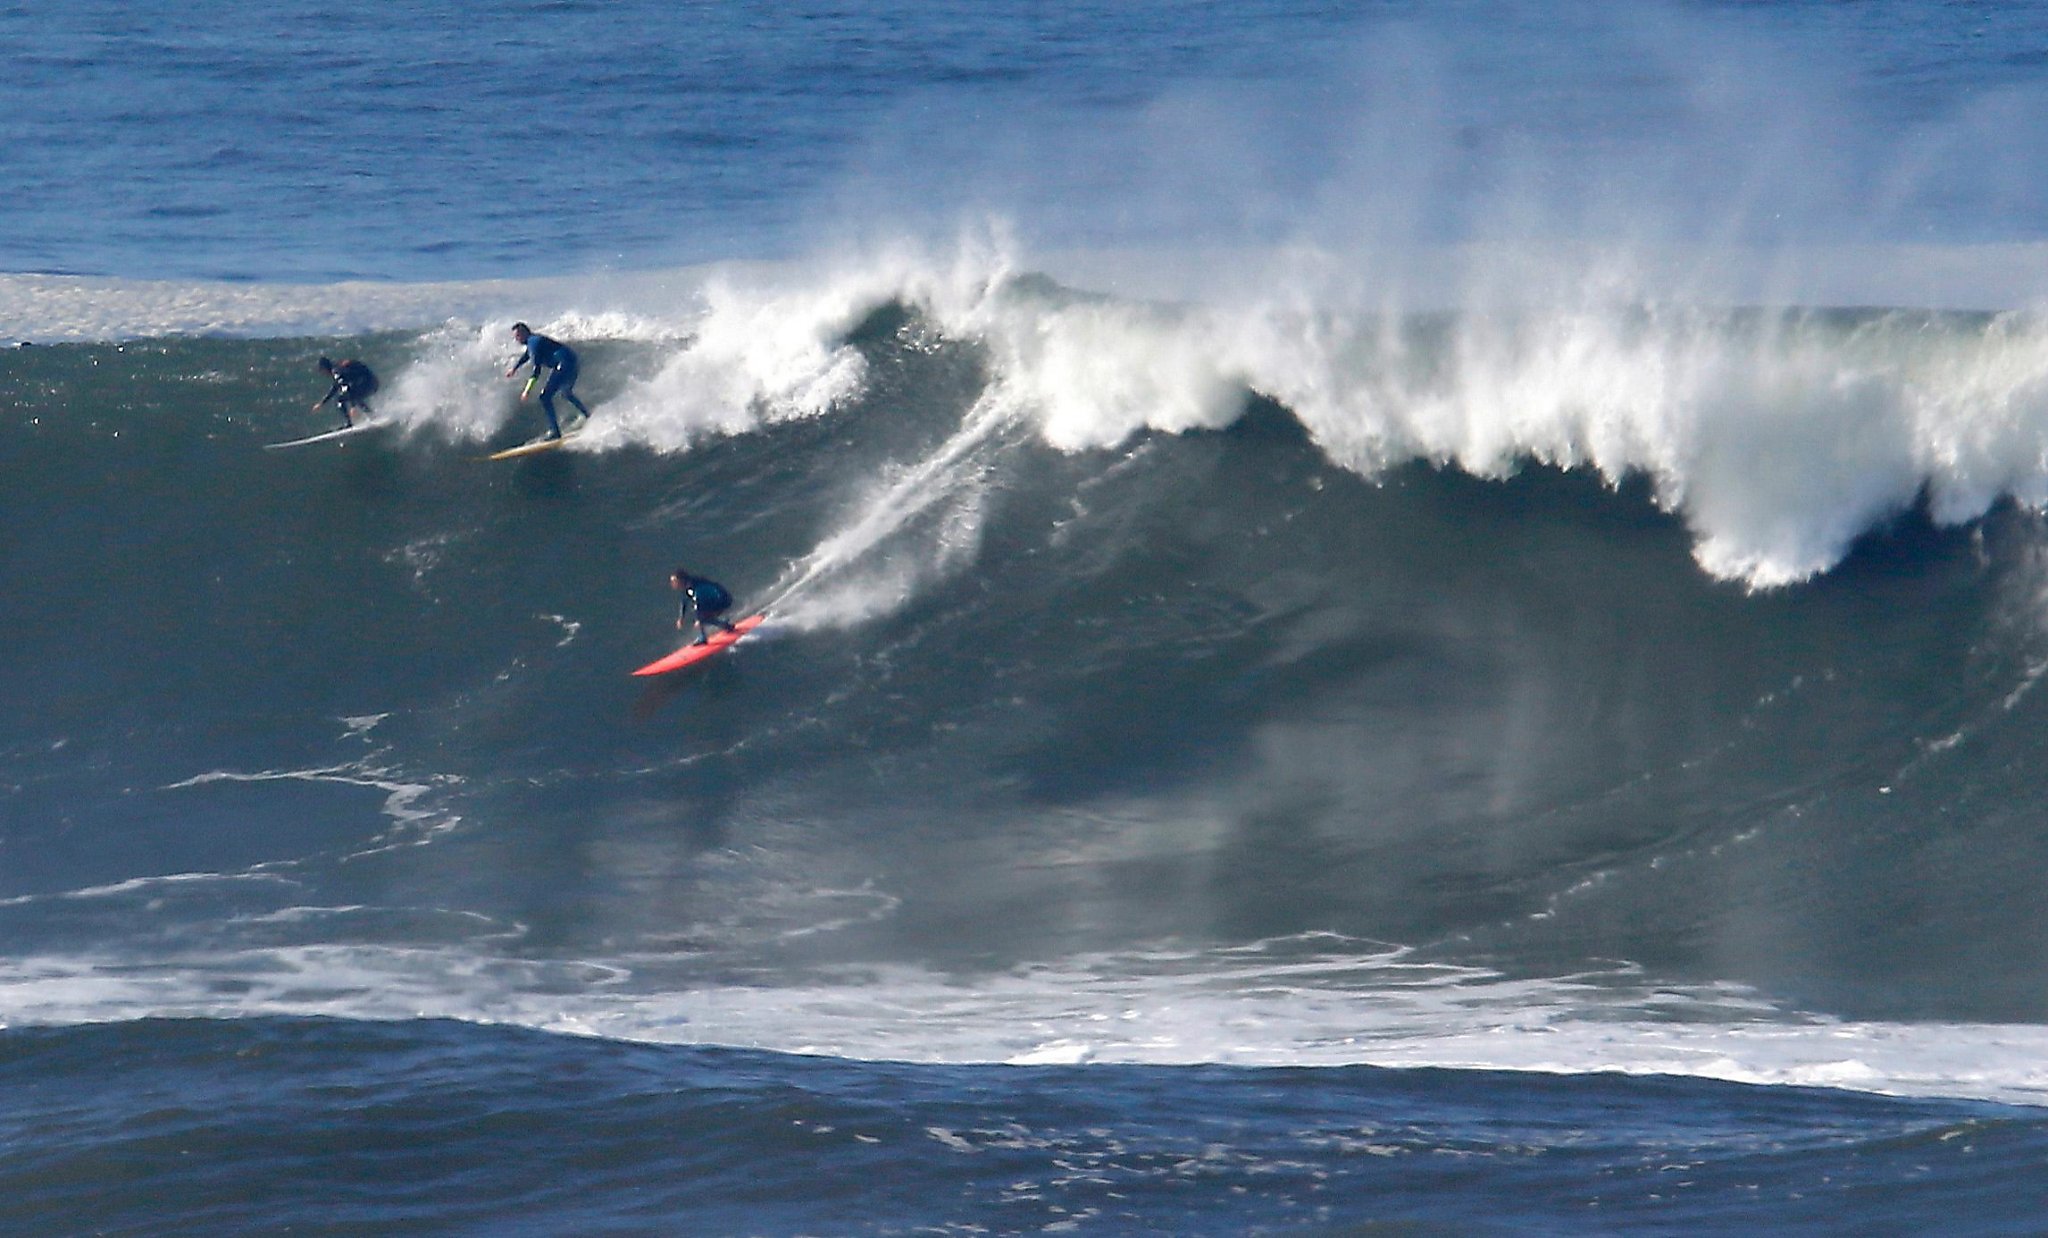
column 707, row 597
column 709, row 600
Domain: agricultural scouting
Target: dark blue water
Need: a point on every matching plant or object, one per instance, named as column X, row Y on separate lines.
column 430, row 141
column 265, row 1126
column 418, row 141
column 1380, row 615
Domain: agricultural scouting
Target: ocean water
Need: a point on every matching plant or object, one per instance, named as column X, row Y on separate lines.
column 1381, row 617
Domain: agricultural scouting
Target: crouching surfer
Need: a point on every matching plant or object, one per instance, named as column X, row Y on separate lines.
column 353, row 385
column 707, row 597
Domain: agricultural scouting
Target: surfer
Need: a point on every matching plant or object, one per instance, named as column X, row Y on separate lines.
column 353, row 386
column 557, row 358
column 708, row 597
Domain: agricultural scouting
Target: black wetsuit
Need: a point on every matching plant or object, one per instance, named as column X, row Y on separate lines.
column 353, row 384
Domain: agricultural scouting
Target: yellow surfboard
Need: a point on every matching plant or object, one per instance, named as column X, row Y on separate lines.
column 533, row 446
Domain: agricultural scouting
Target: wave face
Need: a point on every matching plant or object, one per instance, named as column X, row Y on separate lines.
column 1137, row 687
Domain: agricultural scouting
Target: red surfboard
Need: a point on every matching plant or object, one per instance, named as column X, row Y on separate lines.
column 720, row 640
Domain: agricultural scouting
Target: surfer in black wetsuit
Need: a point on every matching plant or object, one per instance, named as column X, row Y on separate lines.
column 353, row 386
column 560, row 362
column 708, row 597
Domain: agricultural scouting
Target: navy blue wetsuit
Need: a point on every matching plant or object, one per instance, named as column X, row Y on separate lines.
column 560, row 360
column 353, row 385
column 709, row 597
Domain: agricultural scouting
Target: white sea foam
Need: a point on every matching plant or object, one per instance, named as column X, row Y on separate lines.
column 1298, row 1003
column 414, row 819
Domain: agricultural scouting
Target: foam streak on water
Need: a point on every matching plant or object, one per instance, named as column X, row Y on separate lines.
column 1297, row 1003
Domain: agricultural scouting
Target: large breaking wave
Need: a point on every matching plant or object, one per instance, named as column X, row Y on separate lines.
column 1778, row 434
column 1254, row 676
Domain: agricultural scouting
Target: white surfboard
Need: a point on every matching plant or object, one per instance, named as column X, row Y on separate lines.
column 366, row 423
